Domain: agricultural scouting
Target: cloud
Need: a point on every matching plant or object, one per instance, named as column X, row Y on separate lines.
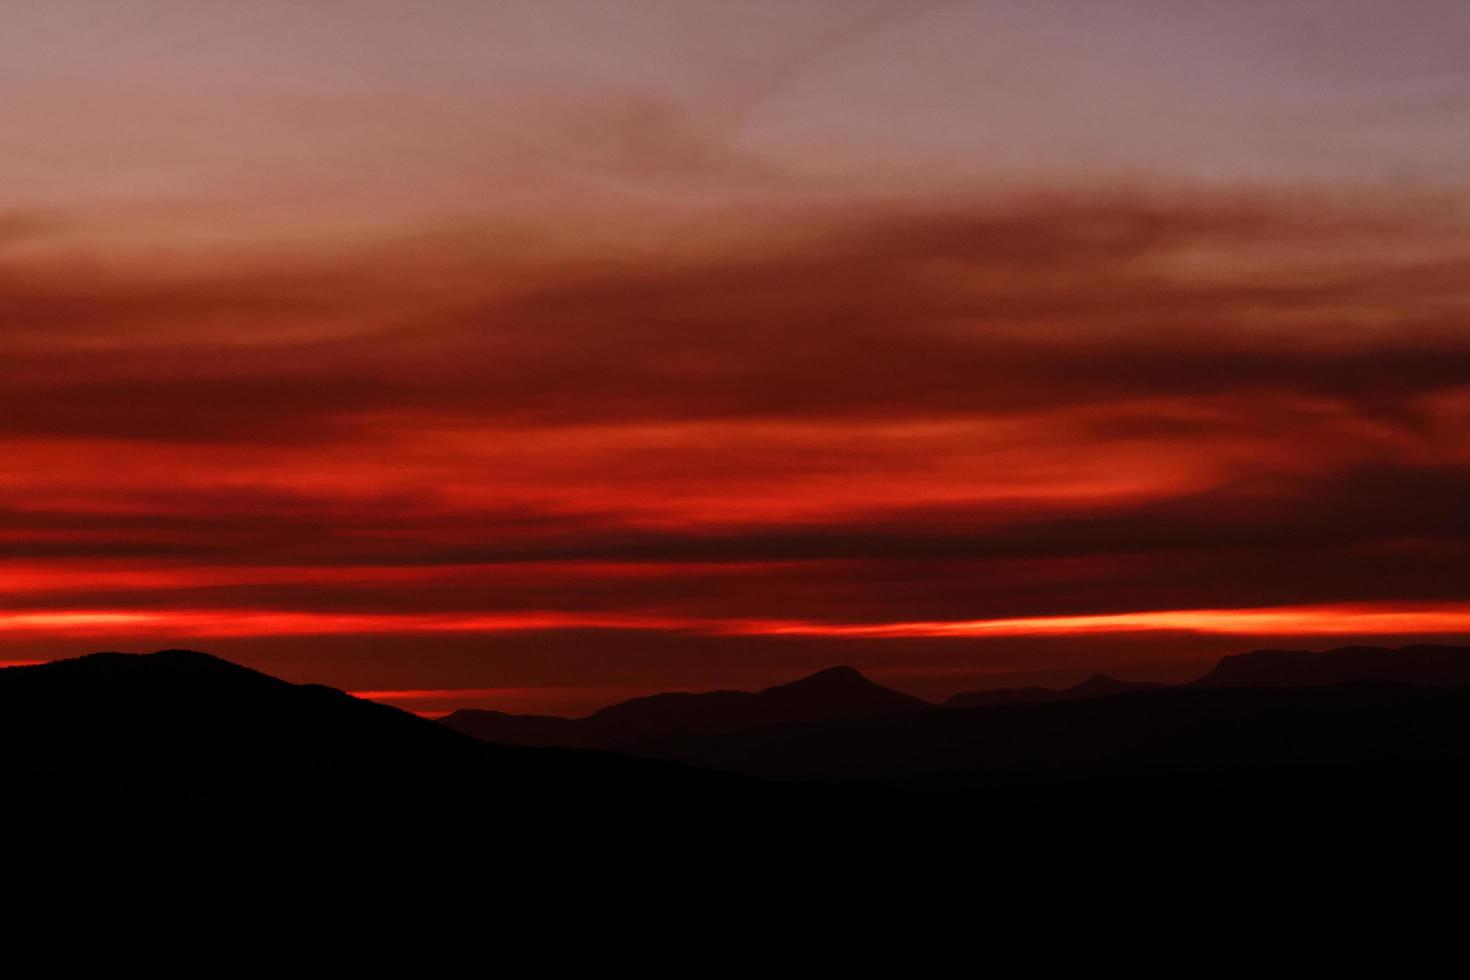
column 1047, row 406
column 1040, row 303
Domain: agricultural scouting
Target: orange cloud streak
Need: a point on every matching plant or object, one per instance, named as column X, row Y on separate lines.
column 1321, row 620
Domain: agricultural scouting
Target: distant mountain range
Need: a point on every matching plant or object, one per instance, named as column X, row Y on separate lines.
column 180, row 731
column 1366, row 727
column 1186, row 742
column 842, row 692
column 1099, row 685
column 829, row 695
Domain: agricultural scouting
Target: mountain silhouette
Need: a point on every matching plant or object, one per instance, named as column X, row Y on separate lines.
column 843, row 693
column 829, row 695
column 179, row 730
column 1371, row 744
column 1430, row 665
column 1096, row 686
column 1435, row 666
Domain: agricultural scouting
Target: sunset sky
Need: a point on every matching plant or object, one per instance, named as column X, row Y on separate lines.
column 535, row 354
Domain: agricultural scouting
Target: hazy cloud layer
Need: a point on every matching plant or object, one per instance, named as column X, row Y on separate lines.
column 1043, row 406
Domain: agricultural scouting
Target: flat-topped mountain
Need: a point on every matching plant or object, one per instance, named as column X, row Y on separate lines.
column 1432, row 666
column 829, row 695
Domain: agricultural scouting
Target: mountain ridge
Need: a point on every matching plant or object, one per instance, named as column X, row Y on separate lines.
column 836, row 692
column 1098, row 685
column 180, row 731
column 629, row 723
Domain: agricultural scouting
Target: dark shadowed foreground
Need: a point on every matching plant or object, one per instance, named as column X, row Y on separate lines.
column 818, row 767
column 179, row 731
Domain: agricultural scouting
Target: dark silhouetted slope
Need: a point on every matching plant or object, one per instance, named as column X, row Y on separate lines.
column 509, row 729
column 1099, row 685
column 1002, row 695
column 833, row 694
column 179, row 729
column 184, row 731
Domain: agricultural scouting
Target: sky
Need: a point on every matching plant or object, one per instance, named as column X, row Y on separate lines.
column 534, row 355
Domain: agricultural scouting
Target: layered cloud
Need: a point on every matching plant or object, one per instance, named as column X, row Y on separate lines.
column 896, row 419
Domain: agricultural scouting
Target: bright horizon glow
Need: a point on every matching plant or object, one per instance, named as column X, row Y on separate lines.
column 1322, row 620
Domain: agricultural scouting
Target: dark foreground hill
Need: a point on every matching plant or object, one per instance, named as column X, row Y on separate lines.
column 179, row 730
column 829, row 695
column 269, row 792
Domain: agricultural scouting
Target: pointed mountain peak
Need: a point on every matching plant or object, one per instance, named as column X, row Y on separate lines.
column 833, row 678
column 837, row 685
column 1097, row 682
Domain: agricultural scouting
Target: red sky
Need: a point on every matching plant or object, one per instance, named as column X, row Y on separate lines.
column 543, row 356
